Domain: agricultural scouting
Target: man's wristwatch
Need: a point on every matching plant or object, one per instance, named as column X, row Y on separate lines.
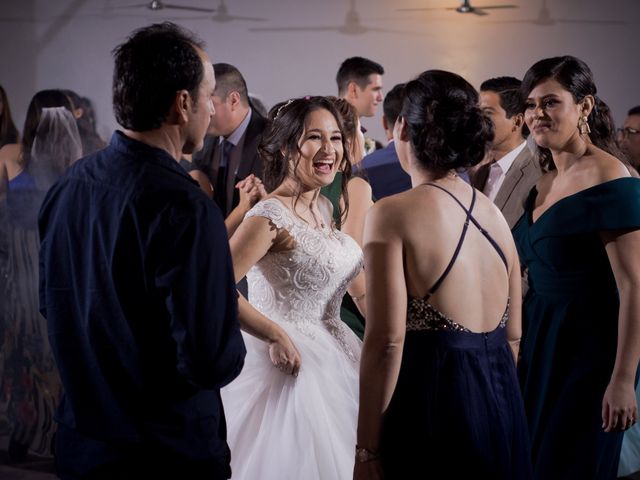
column 363, row 455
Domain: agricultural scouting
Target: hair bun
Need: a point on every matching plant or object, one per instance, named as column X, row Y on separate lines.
column 447, row 128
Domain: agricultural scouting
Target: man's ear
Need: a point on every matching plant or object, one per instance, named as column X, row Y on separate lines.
column 234, row 100
column 182, row 106
column 352, row 90
column 385, row 124
column 518, row 121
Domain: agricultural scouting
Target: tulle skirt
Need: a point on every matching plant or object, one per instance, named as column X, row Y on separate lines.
column 286, row 428
column 630, row 454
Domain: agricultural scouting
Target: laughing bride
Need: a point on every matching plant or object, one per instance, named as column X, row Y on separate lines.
column 291, row 413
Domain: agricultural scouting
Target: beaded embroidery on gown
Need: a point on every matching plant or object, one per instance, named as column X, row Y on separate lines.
column 281, row 427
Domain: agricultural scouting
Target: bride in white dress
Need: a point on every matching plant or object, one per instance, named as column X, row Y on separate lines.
column 291, row 414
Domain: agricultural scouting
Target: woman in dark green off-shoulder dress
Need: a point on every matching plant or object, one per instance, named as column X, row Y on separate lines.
column 580, row 240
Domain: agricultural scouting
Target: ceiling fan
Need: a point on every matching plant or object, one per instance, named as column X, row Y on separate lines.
column 465, row 7
column 222, row 15
column 545, row 19
column 350, row 26
column 159, row 5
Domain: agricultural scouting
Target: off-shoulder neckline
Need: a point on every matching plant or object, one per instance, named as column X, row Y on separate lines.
column 534, row 195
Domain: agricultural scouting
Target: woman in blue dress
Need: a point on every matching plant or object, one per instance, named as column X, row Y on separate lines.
column 439, row 394
column 29, row 383
column 580, row 240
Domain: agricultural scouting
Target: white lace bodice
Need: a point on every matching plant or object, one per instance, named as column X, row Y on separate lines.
column 304, row 286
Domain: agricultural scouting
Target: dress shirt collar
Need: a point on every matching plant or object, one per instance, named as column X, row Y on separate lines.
column 237, row 134
column 506, row 161
column 144, row 152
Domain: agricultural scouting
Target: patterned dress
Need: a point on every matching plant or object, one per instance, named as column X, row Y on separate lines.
column 29, row 382
column 281, row 427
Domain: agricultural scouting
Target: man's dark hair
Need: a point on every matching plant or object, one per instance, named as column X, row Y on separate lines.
column 393, row 104
column 508, row 88
column 229, row 79
column 150, row 68
column 634, row 111
column 356, row 69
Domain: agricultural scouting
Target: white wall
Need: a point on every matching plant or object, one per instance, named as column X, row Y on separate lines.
column 67, row 44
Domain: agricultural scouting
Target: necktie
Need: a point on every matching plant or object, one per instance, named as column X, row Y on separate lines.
column 221, row 179
column 490, row 190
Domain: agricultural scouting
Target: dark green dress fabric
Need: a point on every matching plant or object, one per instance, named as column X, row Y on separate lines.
column 570, row 324
column 348, row 311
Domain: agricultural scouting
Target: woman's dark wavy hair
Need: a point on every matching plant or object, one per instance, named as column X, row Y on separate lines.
column 150, row 68
column 8, row 130
column 42, row 99
column 447, row 128
column 286, row 121
column 349, row 116
column 575, row 76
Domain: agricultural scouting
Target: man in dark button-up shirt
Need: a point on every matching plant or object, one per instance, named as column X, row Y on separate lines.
column 137, row 283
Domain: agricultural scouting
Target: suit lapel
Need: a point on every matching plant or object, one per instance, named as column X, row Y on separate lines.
column 479, row 179
column 513, row 176
column 250, row 148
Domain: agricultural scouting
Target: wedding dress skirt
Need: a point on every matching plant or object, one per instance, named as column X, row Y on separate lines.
column 282, row 427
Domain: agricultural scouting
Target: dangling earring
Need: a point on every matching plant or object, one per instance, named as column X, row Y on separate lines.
column 583, row 126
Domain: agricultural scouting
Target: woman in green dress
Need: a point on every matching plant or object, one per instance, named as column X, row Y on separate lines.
column 580, row 240
column 351, row 221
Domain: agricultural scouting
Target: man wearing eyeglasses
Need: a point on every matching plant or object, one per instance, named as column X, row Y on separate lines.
column 629, row 137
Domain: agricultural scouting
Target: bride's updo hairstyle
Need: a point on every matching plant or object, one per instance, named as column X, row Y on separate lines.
column 446, row 127
column 282, row 135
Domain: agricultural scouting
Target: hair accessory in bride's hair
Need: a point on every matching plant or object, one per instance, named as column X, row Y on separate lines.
column 283, row 106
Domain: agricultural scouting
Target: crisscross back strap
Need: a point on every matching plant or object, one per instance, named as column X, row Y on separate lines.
column 469, row 218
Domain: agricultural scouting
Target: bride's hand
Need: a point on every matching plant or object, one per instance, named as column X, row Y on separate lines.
column 284, row 355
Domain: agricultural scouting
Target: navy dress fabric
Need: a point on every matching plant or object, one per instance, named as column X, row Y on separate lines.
column 456, row 411
column 570, row 324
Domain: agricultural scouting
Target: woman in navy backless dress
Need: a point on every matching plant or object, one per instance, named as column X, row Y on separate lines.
column 579, row 239
column 439, row 395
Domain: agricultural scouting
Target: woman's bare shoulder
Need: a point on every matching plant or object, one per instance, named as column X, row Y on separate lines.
column 605, row 167
column 10, row 159
column 400, row 208
column 10, row 152
column 358, row 186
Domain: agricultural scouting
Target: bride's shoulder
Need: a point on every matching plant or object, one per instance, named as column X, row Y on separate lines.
column 273, row 210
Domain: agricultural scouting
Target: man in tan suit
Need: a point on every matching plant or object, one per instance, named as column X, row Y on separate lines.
column 512, row 170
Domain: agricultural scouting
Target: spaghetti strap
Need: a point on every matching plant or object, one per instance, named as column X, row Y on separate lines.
column 471, row 218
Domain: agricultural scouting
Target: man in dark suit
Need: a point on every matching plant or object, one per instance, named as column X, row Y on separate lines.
column 230, row 151
column 136, row 281
column 511, row 169
column 382, row 167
